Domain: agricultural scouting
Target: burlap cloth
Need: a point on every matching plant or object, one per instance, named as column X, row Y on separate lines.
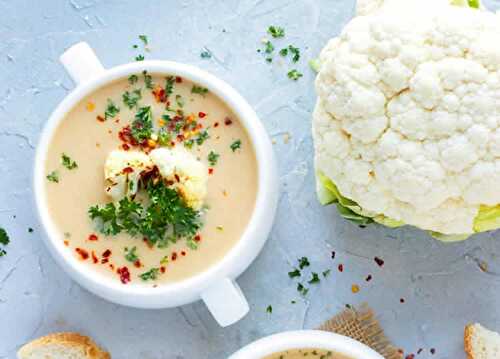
column 360, row 324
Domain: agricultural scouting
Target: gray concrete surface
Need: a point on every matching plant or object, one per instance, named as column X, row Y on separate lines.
column 442, row 284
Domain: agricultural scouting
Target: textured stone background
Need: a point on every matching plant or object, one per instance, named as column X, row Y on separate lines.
column 443, row 285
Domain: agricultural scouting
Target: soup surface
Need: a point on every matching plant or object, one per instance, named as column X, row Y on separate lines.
column 307, row 353
column 126, row 246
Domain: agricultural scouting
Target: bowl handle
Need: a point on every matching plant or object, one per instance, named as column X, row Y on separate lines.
column 81, row 63
column 226, row 302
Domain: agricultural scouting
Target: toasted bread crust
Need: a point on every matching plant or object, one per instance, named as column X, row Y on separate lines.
column 68, row 339
column 468, row 334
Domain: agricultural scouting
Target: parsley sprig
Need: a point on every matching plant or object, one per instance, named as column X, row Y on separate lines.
column 142, row 126
column 68, row 162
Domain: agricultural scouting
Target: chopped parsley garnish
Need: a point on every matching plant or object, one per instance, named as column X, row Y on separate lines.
column 315, row 278
column 276, row 31
column 202, row 137
column 295, row 273
column 236, row 145
column 213, row 158
column 304, row 262
column 269, row 47
column 295, row 51
column 169, row 86
column 294, row 75
column 165, row 219
column 269, row 309
column 327, row 273
column 111, row 110
column 142, row 126
column 199, row 90
column 151, row 274
column 179, row 101
column 474, row 4
column 139, row 58
column 284, row 52
column 144, row 39
column 189, row 144
column 164, row 138
column 4, row 240
column 191, row 243
column 131, row 99
column 53, row 176
column 68, row 162
column 148, row 80
column 132, row 79
column 302, row 290
column 206, row 54
column 131, row 254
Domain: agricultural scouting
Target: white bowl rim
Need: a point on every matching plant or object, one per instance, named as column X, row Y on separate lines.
column 244, row 251
column 306, row 339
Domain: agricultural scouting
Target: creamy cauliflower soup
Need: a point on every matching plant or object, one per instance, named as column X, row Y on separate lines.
column 150, row 180
column 307, row 353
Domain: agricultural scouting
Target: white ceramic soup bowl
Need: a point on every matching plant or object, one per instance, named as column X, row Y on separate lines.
column 216, row 286
column 306, row 339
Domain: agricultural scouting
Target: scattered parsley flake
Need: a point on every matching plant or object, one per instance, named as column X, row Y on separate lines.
column 269, row 309
column 68, row 162
column 53, row 176
column 315, row 278
column 111, row 110
column 191, row 243
column 206, row 54
column 295, row 51
column 30, row 230
column 202, row 137
column 304, row 262
column 179, row 101
column 151, row 274
column 276, row 31
column 269, row 47
column 4, row 240
column 236, row 145
column 144, row 39
column 199, row 90
column 284, row 52
column 213, row 158
column 131, row 99
column 142, row 126
column 132, row 79
column 327, row 273
column 294, row 75
column 302, row 290
column 139, row 58
column 295, row 273
column 131, row 254
column 148, row 80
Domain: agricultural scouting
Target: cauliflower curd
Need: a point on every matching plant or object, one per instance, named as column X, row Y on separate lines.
column 177, row 166
column 407, row 122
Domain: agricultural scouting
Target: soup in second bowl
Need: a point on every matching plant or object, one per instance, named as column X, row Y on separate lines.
column 151, row 179
column 307, row 353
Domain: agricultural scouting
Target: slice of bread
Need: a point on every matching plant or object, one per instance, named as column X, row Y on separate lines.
column 62, row 346
column 481, row 343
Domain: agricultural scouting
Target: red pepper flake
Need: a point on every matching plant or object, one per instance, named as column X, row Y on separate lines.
column 180, row 138
column 124, row 274
column 379, row 261
column 126, row 147
column 104, row 261
column 210, row 171
column 183, row 253
column 111, row 266
column 83, row 253
column 433, row 351
column 106, row 253
column 197, row 238
column 128, row 170
column 333, row 254
column 66, row 243
column 178, row 79
column 401, row 300
column 174, row 256
column 94, row 258
column 369, row 277
column 148, row 243
column 163, row 269
column 177, row 178
column 93, row 237
column 159, row 94
column 137, row 264
column 216, row 124
column 410, row 356
column 100, row 118
column 228, row 121
column 201, row 114
column 341, row 267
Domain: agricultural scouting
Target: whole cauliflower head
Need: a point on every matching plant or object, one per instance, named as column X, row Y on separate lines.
column 407, row 123
column 184, row 172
